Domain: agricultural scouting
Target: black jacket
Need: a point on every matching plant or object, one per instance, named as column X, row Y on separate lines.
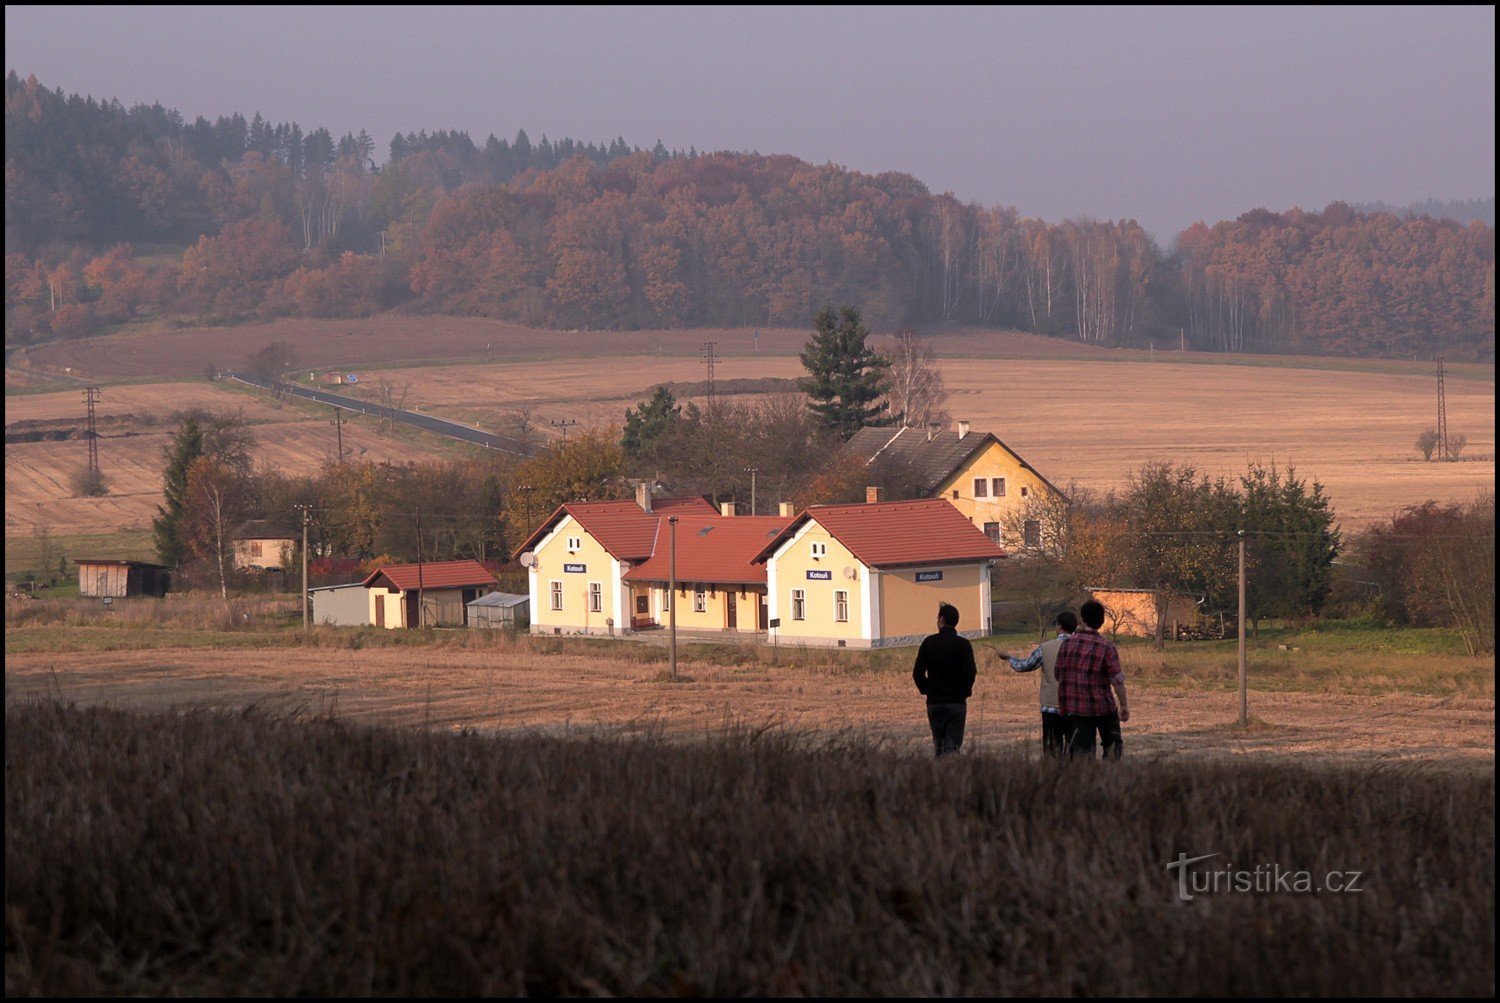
column 945, row 667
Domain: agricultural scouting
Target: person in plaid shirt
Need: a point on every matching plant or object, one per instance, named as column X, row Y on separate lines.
column 1088, row 666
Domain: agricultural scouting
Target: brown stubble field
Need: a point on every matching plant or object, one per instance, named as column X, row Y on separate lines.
column 1078, row 413
column 505, row 688
column 135, row 424
column 1086, row 422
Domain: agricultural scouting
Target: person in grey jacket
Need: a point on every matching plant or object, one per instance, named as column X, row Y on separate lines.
column 944, row 673
column 1055, row 726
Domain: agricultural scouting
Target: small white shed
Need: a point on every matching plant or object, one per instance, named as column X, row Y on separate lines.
column 341, row 605
column 501, row 609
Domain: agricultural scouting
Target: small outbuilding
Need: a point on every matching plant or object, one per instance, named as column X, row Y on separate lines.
column 341, row 605
column 430, row 594
column 1132, row 612
column 500, row 609
column 112, row 579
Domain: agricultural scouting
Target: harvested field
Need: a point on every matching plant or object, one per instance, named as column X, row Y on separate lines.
column 396, row 339
column 135, row 427
column 384, row 340
column 153, row 401
column 504, row 689
column 1085, row 421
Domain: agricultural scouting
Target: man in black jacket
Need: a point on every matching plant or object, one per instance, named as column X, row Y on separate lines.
column 944, row 673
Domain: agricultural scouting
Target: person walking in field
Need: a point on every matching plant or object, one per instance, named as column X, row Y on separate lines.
column 944, row 673
column 1055, row 727
column 1088, row 667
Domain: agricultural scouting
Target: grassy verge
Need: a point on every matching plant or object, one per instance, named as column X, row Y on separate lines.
column 24, row 553
column 195, row 853
column 1340, row 657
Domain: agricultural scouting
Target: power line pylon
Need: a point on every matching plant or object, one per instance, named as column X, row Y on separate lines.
column 712, row 363
column 90, row 395
column 1442, row 426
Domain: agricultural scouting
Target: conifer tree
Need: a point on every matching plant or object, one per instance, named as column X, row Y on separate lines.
column 167, row 528
column 847, row 378
column 647, row 423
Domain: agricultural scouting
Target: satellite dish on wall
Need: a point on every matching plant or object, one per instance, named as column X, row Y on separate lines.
column 528, row 559
column 849, row 572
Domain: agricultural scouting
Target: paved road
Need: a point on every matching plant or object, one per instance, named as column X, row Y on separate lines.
column 452, row 429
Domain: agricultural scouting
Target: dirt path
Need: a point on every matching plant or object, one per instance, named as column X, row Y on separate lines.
column 520, row 692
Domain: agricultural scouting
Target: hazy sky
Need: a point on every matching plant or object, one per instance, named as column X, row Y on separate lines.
column 1166, row 115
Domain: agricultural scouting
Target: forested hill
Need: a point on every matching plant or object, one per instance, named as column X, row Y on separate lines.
column 1458, row 210
column 116, row 214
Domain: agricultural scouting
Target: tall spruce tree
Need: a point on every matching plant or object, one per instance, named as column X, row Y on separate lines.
column 847, row 378
column 646, row 424
column 167, row 527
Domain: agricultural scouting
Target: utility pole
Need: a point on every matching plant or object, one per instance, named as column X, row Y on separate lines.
column 304, row 510
column 338, row 423
column 672, row 591
column 1244, row 704
column 565, row 424
column 525, row 491
column 1442, row 429
column 90, row 395
column 421, row 596
column 752, row 471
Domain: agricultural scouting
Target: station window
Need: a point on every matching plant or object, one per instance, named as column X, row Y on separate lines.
column 820, row 550
column 700, row 601
column 574, row 543
column 557, row 600
column 596, row 597
column 799, row 604
column 841, row 606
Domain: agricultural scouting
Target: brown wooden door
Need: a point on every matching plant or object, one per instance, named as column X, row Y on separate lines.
column 731, row 610
column 380, row 611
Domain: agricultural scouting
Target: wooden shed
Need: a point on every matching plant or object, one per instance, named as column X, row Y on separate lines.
column 102, row 578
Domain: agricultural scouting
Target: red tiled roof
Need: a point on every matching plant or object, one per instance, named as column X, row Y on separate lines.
column 621, row 527
column 691, row 505
column 712, row 549
column 889, row 534
column 434, row 575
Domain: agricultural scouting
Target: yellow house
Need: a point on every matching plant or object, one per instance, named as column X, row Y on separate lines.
column 873, row 575
column 986, row 480
column 260, row 544
column 604, row 567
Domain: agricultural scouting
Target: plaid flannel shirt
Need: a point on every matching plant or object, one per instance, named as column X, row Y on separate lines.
column 1086, row 665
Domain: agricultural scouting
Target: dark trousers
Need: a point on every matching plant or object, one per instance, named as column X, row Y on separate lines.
column 947, row 721
column 1055, row 733
column 1081, row 737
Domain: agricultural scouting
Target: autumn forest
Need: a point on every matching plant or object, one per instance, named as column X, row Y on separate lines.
column 117, row 214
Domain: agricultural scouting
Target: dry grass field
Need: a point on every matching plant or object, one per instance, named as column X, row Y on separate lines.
column 200, row 854
column 136, row 422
